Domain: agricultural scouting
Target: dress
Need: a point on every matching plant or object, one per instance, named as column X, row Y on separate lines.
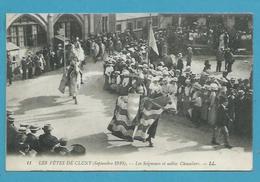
column 186, row 100
column 205, row 106
column 108, row 72
column 74, row 80
column 172, row 91
column 212, row 114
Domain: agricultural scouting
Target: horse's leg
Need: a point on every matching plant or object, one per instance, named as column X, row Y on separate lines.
column 75, row 99
column 81, row 78
column 149, row 139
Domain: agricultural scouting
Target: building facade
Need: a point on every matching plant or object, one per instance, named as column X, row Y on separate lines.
column 37, row 30
column 162, row 21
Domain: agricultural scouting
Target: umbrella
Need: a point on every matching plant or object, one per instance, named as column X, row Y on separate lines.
column 11, row 47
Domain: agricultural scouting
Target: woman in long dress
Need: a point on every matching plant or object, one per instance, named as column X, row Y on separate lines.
column 74, row 78
column 79, row 53
column 187, row 98
column 205, row 103
column 212, row 114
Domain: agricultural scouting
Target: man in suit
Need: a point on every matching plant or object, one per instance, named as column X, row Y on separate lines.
column 24, row 67
column 9, row 69
column 222, row 122
column 47, row 141
column 220, row 58
column 180, row 64
column 229, row 60
column 30, row 65
column 32, row 139
column 59, row 56
column 52, row 60
column 12, row 134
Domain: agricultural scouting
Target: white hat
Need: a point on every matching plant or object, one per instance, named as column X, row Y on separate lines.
column 165, row 72
column 131, row 49
column 187, row 81
column 214, row 86
column 197, row 86
column 159, row 67
column 156, row 78
column 174, row 79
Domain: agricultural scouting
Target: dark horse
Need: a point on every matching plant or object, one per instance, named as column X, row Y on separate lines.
column 144, row 126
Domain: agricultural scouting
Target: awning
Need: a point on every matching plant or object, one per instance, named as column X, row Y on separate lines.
column 11, row 47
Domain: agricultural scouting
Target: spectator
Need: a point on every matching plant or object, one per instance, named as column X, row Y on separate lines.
column 47, row 141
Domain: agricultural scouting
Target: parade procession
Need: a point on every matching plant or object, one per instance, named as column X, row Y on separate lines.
column 145, row 86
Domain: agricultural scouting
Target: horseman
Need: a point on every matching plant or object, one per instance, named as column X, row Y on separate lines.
column 79, row 53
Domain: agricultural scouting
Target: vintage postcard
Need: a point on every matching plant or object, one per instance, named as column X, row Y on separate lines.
column 129, row 92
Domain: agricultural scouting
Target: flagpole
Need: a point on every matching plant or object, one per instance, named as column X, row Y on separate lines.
column 64, row 50
column 149, row 26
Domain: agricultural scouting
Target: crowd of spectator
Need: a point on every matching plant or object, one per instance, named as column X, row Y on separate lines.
column 28, row 140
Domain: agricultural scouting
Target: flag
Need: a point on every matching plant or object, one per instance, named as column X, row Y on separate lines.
column 152, row 41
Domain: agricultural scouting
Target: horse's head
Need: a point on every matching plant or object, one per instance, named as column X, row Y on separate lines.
column 163, row 100
column 158, row 102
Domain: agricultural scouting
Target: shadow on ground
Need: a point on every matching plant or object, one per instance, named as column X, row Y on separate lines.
column 99, row 144
column 93, row 87
column 179, row 129
column 68, row 113
column 36, row 103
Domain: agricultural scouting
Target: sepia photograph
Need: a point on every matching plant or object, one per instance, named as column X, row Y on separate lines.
column 129, row 92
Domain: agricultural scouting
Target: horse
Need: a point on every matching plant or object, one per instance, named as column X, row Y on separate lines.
column 144, row 126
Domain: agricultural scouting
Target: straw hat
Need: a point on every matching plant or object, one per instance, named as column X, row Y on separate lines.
column 10, row 119
column 179, row 55
column 165, row 73
column 214, row 87
column 9, row 113
column 47, row 127
column 197, row 86
column 22, row 130
column 174, row 79
column 187, row 81
column 34, row 128
column 155, row 79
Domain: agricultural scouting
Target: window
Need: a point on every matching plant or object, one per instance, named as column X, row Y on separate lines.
column 130, row 26
column 21, row 35
column 155, row 21
column 70, row 25
column 26, row 32
column 13, row 35
column 104, row 24
column 119, row 28
column 139, row 24
column 134, row 26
